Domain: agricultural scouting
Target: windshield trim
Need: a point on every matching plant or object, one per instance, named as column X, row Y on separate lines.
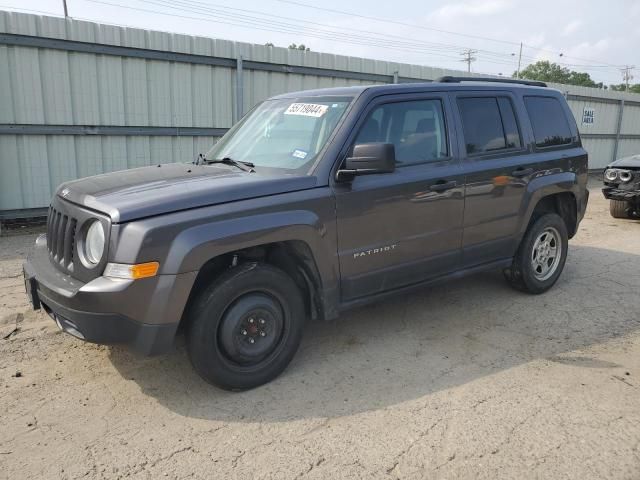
column 345, row 115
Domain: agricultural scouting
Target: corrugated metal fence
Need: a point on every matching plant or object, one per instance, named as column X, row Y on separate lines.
column 80, row 98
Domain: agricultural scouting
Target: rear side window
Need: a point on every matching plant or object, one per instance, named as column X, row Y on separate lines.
column 489, row 124
column 549, row 121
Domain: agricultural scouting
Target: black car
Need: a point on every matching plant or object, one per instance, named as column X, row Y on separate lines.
column 314, row 203
column 622, row 187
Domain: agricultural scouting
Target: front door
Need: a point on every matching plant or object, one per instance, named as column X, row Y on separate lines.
column 400, row 228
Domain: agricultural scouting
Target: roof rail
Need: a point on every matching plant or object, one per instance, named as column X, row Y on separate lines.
column 450, row 79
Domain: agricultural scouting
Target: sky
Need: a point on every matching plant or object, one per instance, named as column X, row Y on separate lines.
column 585, row 35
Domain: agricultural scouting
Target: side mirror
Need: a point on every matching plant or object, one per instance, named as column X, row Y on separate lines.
column 369, row 158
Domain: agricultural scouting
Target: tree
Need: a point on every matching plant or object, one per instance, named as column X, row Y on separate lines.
column 546, row 71
column 293, row 46
column 621, row 87
column 269, row 44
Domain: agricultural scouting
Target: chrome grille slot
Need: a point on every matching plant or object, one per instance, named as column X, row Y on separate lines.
column 61, row 232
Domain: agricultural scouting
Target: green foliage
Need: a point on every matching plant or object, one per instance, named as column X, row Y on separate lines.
column 546, row 71
column 293, row 46
column 621, row 87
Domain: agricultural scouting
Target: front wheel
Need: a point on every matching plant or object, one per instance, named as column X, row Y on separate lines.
column 246, row 327
column 541, row 255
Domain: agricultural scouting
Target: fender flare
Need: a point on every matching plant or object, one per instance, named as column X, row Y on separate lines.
column 195, row 246
column 544, row 186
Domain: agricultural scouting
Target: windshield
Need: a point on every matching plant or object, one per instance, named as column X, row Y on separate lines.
column 285, row 133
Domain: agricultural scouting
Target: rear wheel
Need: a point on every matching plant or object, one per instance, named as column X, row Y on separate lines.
column 246, row 327
column 619, row 209
column 541, row 255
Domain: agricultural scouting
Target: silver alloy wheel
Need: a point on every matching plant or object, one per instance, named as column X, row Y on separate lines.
column 546, row 254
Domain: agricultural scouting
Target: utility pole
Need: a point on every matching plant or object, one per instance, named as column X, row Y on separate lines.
column 626, row 75
column 519, row 61
column 66, row 11
column 468, row 55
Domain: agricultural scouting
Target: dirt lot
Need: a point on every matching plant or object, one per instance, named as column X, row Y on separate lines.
column 466, row 380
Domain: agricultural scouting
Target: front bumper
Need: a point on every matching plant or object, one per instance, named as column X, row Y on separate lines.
column 612, row 193
column 143, row 314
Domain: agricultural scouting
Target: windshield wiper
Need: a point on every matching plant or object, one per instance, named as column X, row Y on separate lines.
column 245, row 166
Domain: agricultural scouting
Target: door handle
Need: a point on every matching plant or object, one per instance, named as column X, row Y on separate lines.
column 441, row 186
column 522, row 172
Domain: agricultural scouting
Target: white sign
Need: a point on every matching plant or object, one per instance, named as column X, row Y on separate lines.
column 588, row 116
column 307, row 109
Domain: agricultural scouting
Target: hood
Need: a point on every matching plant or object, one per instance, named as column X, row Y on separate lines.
column 627, row 162
column 148, row 191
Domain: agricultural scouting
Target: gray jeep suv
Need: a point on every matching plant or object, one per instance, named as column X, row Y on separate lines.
column 314, row 203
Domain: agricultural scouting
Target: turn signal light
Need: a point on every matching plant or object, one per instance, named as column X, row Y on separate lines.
column 131, row 272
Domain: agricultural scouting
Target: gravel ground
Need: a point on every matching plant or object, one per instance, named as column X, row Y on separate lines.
column 465, row 380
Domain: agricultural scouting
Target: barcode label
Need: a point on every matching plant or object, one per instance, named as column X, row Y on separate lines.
column 307, row 109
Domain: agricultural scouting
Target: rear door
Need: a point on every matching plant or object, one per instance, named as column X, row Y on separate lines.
column 499, row 163
column 400, row 228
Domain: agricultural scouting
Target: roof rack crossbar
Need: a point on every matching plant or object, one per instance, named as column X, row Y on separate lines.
column 451, row 79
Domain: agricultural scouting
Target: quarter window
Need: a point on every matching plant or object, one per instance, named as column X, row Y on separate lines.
column 549, row 121
column 512, row 135
column 489, row 124
column 415, row 128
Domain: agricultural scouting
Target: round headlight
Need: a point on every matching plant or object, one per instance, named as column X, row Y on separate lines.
column 94, row 243
column 611, row 175
column 625, row 175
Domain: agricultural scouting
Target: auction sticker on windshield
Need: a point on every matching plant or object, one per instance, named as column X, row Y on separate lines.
column 307, row 109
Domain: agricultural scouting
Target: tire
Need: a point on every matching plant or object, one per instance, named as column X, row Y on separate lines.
column 245, row 328
column 535, row 269
column 619, row 209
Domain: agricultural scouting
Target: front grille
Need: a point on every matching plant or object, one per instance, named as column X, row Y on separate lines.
column 61, row 233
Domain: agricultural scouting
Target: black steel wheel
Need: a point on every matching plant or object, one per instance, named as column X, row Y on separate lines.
column 246, row 327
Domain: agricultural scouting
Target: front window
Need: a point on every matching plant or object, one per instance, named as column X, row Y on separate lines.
column 284, row 134
column 416, row 129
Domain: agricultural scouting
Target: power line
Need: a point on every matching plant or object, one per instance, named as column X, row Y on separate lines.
column 281, row 17
column 19, row 9
column 322, row 31
column 114, row 24
column 254, row 20
column 498, row 58
column 264, row 27
column 280, row 27
column 429, row 45
column 195, row 7
column 390, row 40
column 386, row 20
column 422, row 27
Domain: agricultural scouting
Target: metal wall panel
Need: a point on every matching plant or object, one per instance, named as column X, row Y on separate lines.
column 631, row 120
column 134, row 78
column 628, row 147
column 600, row 151
column 606, row 116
